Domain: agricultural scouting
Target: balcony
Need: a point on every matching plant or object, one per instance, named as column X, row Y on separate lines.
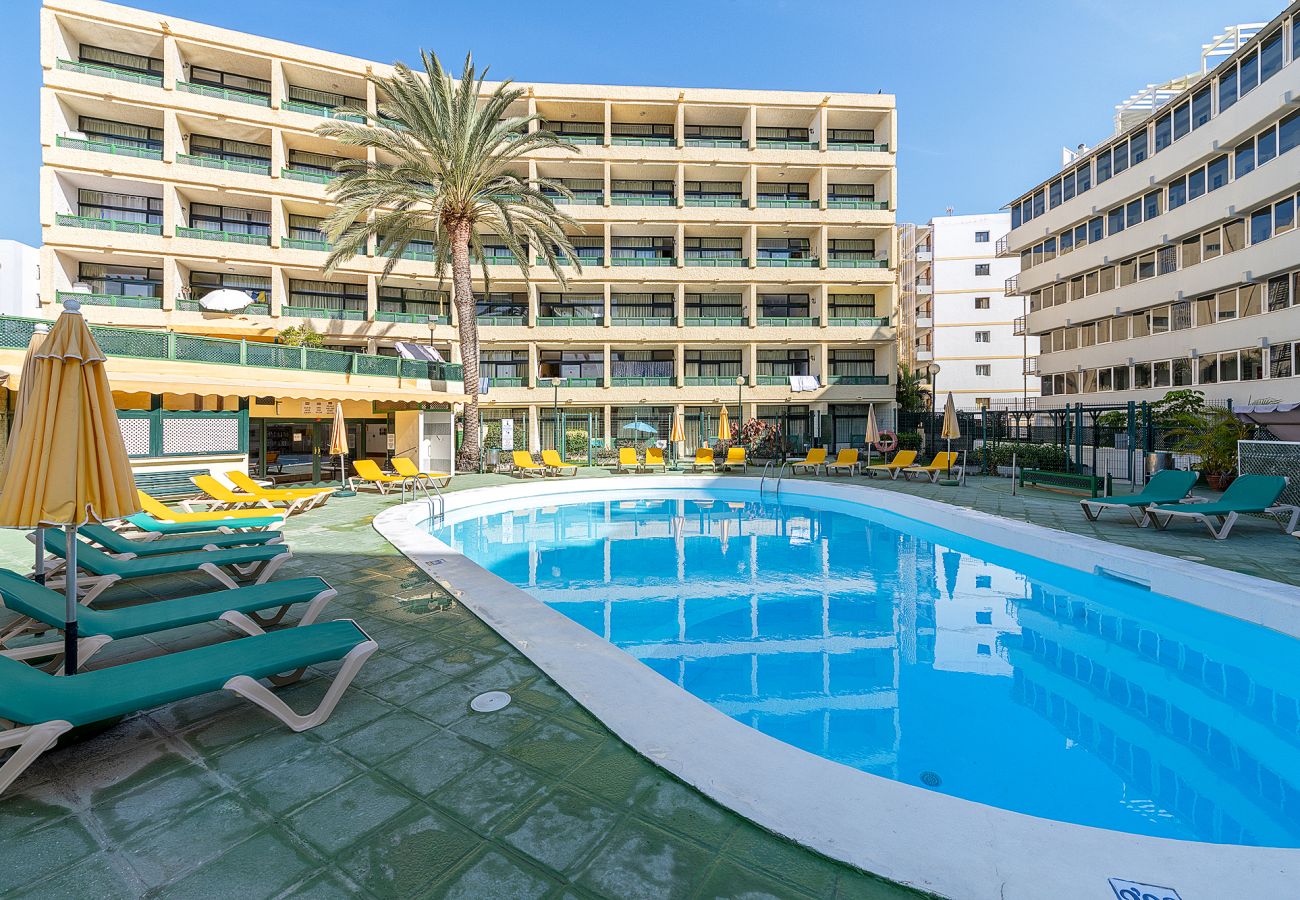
column 724, row 262
column 1030, row 366
column 642, row 381
column 584, row 260
column 597, row 381
column 506, row 381
column 120, row 301
column 765, row 144
column 570, row 321
column 70, row 221
column 402, row 318
column 772, row 380
column 852, row 263
column 641, row 200
column 711, row 380
column 857, row 147
column 308, row 175
column 856, row 204
column 500, row 320
column 924, row 355
column 620, row 140
column 1011, row 288
column 1002, row 246
column 315, row 312
column 787, row 321
column 229, row 165
column 716, row 322
column 501, row 259
column 578, row 199
column 228, row 237
column 305, row 244
column 924, row 289
column 658, row 261
column 857, row 379
column 319, row 109
column 731, row 143
column 1018, row 326
column 859, row 321
column 72, row 65
column 223, row 93
column 253, row 309
column 641, row 321
column 107, row 147
column 781, row 262
column 718, row 202
column 924, row 322
column 782, row 203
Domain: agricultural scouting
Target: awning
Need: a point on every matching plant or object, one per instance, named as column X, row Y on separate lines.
column 1281, row 419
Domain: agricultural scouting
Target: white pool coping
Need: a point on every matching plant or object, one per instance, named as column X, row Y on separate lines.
column 939, row 843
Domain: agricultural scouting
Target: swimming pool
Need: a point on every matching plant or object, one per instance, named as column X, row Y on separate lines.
column 930, row 658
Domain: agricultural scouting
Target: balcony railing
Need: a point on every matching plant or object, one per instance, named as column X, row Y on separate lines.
column 229, row 237
column 252, row 309
column 724, row 262
column 630, row 141
column 857, row 379
column 1030, row 366
column 305, row 244
column 734, row 143
column 857, row 263
column 569, row 321
column 317, row 109
column 581, row 382
column 72, row 65
column 729, row 202
column 642, row 261
column 316, row 312
column 771, row 380
column 308, row 175
column 581, row 138
column 786, row 145
column 858, row 147
column 578, row 199
column 109, row 147
column 642, row 321
column 859, row 321
column 857, row 204
column 777, row 203
column 501, row 320
column 402, row 318
column 775, row 262
column 223, row 93
column 585, row 260
column 16, row 332
column 716, row 321
column 641, row 200
column 710, row 380
column 119, row 300
column 1018, row 326
column 98, row 224
column 642, row 381
column 1011, row 287
column 501, row 259
column 229, row 165
column 1002, row 246
column 787, row 321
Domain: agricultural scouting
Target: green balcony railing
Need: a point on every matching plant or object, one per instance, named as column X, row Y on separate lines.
column 108, row 147
column 777, row 203
column 501, row 320
column 98, row 224
column 735, row 143
column 641, row 200
column 856, row 204
column 16, row 332
column 581, row 138
column 642, row 261
column 860, row 147
column 509, row 381
column 858, row 263
column 563, row 321
column 222, row 93
column 857, row 379
column 304, row 244
column 729, row 202
column 317, row 109
column 585, row 260
column 771, row 380
column 641, row 321
column 629, row 141
column 72, row 65
column 786, row 145
column 308, row 175
column 710, row 380
column 787, row 321
column 578, row 199
column 402, row 318
column 252, row 309
column 316, row 312
column 583, row 382
column 119, row 300
column 783, row 263
column 642, row 381
column 229, row 165
column 723, row 262
column 502, row 259
column 229, row 237
column 859, row 321
column 417, row 255
column 715, row 321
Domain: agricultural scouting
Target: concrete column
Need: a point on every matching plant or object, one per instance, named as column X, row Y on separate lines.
column 679, row 364
column 679, row 188
column 279, row 290
column 172, row 282
column 751, row 304
column 609, row 421
column 608, row 233
column 751, row 360
column 751, row 186
column 821, row 295
column 171, row 210
column 532, row 111
column 821, row 128
column 372, row 297
column 822, row 242
column 609, row 186
column 679, row 126
column 609, row 121
column 607, row 376
column 279, row 152
column 679, row 244
column 532, row 306
column 372, row 94
column 605, row 290
column 823, row 362
column 279, row 84
column 819, row 186
column 534, row 428
column 453, row 317
column 750, row 129
column 173, row 65
column 532, row 375
column 279, row 220
column 679, row 304
column 173, row 140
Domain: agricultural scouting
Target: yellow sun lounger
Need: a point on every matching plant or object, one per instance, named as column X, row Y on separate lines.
column 368, row 471
column 627, row 460
column 293, row 502
column 704, row 460
column 815, row 459
column 164, row 513
column 942, row 462
column 902, row 459
column 654, row 459
column 526, row 465
column 222, row 496
column 408, row 469
column 845, row 461
column 555, row 465
column 735, row 457
column 314, row 495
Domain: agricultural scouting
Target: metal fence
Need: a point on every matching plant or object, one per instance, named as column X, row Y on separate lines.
column 1272, row 458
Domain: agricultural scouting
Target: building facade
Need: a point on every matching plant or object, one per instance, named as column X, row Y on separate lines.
column 725, row 235
column 20, row 279
column 956, row 325
column 1167, row 257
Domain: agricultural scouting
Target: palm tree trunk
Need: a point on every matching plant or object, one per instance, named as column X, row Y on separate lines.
column 463, row 296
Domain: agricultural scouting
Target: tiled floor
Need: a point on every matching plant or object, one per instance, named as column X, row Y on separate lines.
column 406, row 793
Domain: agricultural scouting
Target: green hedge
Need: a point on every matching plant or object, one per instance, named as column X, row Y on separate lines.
column 1048, row 457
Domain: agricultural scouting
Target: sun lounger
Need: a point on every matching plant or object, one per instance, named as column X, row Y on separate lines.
column 120, row 545
column 525, row 464
column 815, row 459
column 704, row 460
column 214, row 488
column 845, row 461
column 313, row 496
column 41, row 608
column 735, row 457
column 42, row 707
column 555, row 465
column 1169, row 486
column 654, row 459
column 942, row 462
column 232, row 517
column 152, row 529
column 223, row 497
column 103, row 570
column 408, row 469
column 902, row 459
column 1247, row 494
column 367, row 472
column 627, row 460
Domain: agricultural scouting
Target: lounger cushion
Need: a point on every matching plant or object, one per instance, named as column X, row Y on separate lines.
column 1247, row 494
column 98, row 562
column 29, row 695
column 119, row 543
column 146, row 522
column 1168, row 486
column 44, row 605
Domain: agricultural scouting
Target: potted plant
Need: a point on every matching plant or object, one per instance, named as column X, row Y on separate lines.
column 1213, row 438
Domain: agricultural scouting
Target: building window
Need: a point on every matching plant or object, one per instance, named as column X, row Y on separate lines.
column 981, row 302
column 981, row 268
column 984, row 370
column 981, row 237
column 983, row 337
column 983, row 403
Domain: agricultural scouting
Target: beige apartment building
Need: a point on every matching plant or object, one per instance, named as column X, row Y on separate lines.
column 736, row 246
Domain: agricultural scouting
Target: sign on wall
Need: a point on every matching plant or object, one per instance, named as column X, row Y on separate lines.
column 507, row 434
column 318, row 408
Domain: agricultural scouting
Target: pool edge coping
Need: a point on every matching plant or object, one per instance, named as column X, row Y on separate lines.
column 931, row 841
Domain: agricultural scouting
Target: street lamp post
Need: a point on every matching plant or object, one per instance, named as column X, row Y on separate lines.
column 740, row 402
column 934, row 396
column 555, row 414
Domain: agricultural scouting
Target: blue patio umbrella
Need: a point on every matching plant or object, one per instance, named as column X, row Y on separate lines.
column 643, row 427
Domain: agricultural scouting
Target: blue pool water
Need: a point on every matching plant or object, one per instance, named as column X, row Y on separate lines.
column 929, row 658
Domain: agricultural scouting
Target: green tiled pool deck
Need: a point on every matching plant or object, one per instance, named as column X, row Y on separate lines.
column 405, row 792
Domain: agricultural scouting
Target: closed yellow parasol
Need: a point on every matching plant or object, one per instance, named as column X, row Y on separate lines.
column 724, row 426
column 951, row 430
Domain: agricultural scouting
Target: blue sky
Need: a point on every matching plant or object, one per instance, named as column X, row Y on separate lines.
column 988, row 93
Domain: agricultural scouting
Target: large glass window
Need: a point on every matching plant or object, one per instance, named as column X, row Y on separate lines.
column 328, row 99
column 1096, row 230
column 571, row 364
column 712, row 363
column 1137, row 148
column 784, row 248
column 1201, row 107
column 503, row 363
column 1217, row 173
column 641, row 363
column 1288, row 130
column 1227, row 88
column 1195, row 184
column 124, row 134
column 1115, row 220
column 715, row 306
column 1151, row 205
column 1103, row 166
column 1243, row 159
column 1249, row 74
column 119, row 207
column 256, row 286
column 230, row 219
column 416, row 301
column 713, row 248
column 1182, row 119
column 571, row 306
column 641, row 247
column 641, row 306
column 1177, row 193
column 782, row 306
column 718, row 190
column 1164, row 131
column 318, row 163
column 217, row 78
column 1270, row 56
column 231, row 151
column 327, row 294
column 1083, row 177
column 1054, row 194
column 852, row 362
column 1265, row 146
column 121, row 281
column 118, row 59
column 1261, row 225
column 1119, row 158
column 783, row 363
column 500, row 304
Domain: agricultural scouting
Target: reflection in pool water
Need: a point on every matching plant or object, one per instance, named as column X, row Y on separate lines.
column 930, row 658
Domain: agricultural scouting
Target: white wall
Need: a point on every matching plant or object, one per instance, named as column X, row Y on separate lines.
column 20, row 279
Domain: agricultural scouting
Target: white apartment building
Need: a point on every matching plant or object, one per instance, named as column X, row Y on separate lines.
column 20, row 279
column 957, row 326
column 1167, row 257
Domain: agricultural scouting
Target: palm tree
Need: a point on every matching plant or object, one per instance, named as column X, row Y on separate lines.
column 911, row 394
column 445, row 171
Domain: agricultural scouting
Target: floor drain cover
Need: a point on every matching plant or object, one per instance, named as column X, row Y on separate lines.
column 931, row 779
column 490, row 702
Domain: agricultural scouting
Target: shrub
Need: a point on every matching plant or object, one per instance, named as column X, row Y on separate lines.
column 575, row 443
column 909, row 440
column 1049, row 457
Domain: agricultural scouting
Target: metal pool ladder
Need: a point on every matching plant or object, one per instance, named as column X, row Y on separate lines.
column 780, row 473
column 437, row 502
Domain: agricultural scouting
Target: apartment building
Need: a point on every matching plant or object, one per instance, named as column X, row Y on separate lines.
column 956, row 326
column 736, row 246
column 20, row 278
column 1167, row 257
